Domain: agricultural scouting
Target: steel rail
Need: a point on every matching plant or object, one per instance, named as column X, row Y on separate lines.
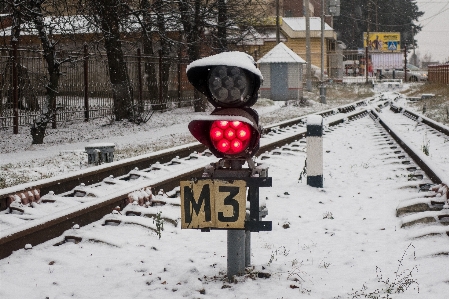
column 425, row 120
column 433, row 174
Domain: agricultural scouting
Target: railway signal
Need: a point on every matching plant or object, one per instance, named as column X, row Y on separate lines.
column 231, row 82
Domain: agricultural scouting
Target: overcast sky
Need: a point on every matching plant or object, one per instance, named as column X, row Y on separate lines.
column 434, row 37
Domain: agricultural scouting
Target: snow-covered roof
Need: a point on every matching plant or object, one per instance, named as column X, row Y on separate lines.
column 296, row 28
column 281, row 54
column 299, row 24
column 78, row 24
column 75, row 24
column 255, row 37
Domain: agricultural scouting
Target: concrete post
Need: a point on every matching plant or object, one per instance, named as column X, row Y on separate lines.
column 236, row 252
column 315, row 151
column 247, row 248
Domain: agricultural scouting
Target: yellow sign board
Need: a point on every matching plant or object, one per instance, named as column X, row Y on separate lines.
column 213, row 204
column 383, row 41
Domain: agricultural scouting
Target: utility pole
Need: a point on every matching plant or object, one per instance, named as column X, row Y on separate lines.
column 367, row 43
column 278, row 37
column 405, row 63
column 377, row 23
column 322, row 85
column 322, row 40
column 308, row 56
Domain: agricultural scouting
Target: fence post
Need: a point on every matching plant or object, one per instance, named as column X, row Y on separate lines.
column 86, row 83
column 405, row 63
column 139, row 74
column 53, row 108
column 315, row 151
column 15, row 90
column 160, row 79
column 179, row 76
column 366, row 64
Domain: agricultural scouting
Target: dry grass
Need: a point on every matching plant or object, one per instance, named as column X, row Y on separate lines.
column 436, row 108
column 336, row 95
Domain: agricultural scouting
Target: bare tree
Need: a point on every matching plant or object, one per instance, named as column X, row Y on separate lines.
column 32, row 14
column 110, row 16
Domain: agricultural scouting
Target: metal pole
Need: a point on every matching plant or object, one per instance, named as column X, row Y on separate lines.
column 139, row 74
column 278, row 38
column 405, row 63
column 367, row 42
column 179, row 76
column 236, row 250
column 86, row 83
column 322, row 86
column 308, row 56
column 366, row 64
column 53, row 107
column 322, row 41
column 15, row 90
column 160, row 79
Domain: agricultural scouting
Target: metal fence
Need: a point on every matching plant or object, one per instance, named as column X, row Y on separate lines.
column 353, row 63
column 438, row 73
column 84, row 88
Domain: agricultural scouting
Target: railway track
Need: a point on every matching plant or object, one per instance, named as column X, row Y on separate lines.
column 110, row 186
column 124, row 246
column 81, row 197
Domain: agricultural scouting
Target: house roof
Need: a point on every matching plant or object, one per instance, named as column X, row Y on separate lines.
column 259, row 37
column 78, row 24
column 281, row 54
column 296, row 28
column 299, row 24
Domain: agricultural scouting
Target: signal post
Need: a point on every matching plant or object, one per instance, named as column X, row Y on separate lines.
column 217, row 200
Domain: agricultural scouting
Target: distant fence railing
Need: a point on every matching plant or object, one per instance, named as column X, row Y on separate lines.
column 438, row 73
column 84, row 89
column 353, row 63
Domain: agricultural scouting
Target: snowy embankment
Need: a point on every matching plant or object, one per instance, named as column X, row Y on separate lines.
column 63, row 150
column 341, row 241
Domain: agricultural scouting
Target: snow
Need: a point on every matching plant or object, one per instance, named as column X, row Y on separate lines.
column 97, row 145
column 314, row 120
column 419, row 136
column 281, row 54
column 299, row 24
column 232, row 58
column 332, row 242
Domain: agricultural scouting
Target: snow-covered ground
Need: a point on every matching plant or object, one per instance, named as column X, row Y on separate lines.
column 63, row 150
column 341, row 241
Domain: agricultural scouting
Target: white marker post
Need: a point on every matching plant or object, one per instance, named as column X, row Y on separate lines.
column 315, row 151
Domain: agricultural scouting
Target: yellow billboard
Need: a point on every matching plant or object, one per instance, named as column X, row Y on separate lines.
column 383, row 41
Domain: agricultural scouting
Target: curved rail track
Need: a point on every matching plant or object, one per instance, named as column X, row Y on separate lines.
column 87, row 196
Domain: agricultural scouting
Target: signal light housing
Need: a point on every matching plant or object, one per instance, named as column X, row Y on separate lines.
column 228, row 132
column 228, row 79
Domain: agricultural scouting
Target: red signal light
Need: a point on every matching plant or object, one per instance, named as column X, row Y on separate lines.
column 223, row 145
column 237, row 145
column 216, row 134
column 222, row 124
column 236, row 124
column 229, row 134
column 230, row 137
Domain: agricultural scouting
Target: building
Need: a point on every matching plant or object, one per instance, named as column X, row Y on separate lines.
column 282, row 71
column 293, row 35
